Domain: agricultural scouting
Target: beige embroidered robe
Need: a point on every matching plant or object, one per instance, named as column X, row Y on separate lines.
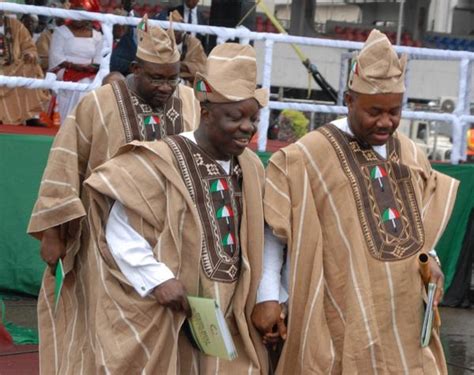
column 354, row 224
column 18, row 104
column 103, row 121
column 137, row 335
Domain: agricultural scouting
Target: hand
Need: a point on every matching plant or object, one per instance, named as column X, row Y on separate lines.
column 53, row 247
column 172, row 294
column 437, row 277
column 29, row 58
column 269, row 319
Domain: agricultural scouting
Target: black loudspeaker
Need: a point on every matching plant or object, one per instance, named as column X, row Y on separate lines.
column 229, row 13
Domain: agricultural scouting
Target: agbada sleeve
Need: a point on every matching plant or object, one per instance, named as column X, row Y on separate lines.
column 438, row 197
column 59, row 197
column 276, row 202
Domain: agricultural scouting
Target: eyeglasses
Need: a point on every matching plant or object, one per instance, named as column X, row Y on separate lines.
column 161, row 82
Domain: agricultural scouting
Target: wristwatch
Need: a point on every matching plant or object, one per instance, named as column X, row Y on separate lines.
column 432, row 253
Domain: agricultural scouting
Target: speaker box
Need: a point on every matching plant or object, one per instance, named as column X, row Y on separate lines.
column 229, row 13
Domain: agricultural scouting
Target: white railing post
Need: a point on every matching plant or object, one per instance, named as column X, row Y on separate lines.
column 345, row 59
column 266, row 83
column 462, row 108
column 407, row 73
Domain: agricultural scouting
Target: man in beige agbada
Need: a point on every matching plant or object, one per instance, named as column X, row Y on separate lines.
column 149, row 105
column 183, row 217
column 355, row 202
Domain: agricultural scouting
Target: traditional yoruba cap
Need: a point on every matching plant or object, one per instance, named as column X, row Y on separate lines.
column 231, row 76
column 175, row 16
column 155, row 44
column 376, row 69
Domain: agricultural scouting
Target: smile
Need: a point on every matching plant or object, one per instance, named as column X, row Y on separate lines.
column 242, row 142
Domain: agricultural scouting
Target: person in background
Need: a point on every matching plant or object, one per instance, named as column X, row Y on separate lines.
column 193, row 57
column 31, row 22
column 18, row 57
column 75, row 55
column 191, row 14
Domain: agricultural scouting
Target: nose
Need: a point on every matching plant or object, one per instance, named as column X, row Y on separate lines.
column 165, row 88
column 248, row 126
column 385, row 121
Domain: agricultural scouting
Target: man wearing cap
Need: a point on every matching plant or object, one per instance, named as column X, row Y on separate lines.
column 193, row 57
column 355, row 202
column 147, row 106
column 186, row 218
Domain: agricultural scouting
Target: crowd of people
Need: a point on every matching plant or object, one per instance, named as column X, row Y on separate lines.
column 151, row 195
column 72, row 50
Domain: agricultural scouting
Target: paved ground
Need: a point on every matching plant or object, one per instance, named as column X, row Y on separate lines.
column 457, row 333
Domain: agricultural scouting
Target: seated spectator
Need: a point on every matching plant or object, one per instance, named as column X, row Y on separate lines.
column 18, row 57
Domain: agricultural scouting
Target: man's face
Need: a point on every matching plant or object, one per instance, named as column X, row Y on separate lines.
column 374, row 118
column 191, row 4
column 228, row 127
column 156, row 83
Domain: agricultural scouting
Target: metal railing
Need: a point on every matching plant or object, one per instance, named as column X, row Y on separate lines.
column 459, row 119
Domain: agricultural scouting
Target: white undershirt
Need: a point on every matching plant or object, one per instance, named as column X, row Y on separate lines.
column 132, row 253
column 343, row 125
column 274, row 283
column 194, row 17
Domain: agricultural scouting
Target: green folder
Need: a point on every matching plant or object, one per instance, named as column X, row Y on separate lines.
column 209, row 329
column 59, row 275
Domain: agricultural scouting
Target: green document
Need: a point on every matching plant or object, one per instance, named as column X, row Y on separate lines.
column 59, row 274
column 209, row 329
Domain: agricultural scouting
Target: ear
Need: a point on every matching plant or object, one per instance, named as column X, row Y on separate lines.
column 349, row 99
column 134, row 67
column 205, row 114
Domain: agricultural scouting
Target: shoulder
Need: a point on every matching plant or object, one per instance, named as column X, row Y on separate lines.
column 98, row 100
column 248, row 156
column 96, row 35
column 411, row 154
column 185, row 92
column 62, row 32
column 150, row 150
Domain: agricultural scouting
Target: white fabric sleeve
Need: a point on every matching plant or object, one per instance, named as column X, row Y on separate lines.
column 99, row 41
column 270, row 284
column 56, row 50
column 133, row 253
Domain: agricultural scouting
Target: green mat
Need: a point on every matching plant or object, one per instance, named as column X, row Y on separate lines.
column 20, row 335
column 22, row 161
